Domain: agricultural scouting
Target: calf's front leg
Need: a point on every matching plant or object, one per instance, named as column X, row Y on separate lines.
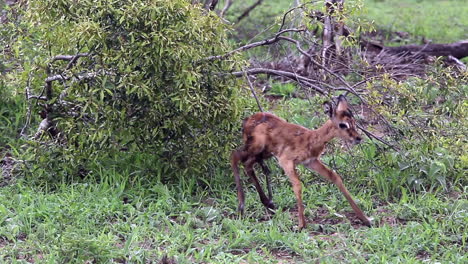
column 290, row 170
column 321, row 169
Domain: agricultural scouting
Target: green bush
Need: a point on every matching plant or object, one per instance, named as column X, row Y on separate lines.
column 429, row 119
column 151, row 90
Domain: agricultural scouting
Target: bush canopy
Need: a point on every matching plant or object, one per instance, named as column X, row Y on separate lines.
column 142, row 84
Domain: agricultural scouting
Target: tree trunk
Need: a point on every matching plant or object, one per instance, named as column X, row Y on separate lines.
column 332, row 30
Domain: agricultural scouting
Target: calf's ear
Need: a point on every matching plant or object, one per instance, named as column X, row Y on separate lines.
column 328, row 109
column 342, row 104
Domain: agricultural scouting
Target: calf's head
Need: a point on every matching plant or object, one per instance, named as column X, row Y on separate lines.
column 343, row 119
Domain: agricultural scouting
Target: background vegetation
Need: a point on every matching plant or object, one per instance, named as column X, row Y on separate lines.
column 120, row 190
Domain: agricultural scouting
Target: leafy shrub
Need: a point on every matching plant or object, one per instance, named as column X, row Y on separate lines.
column 144, row 87
column 429, row 125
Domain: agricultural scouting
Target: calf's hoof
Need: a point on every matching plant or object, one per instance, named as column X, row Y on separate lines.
column 240, row 209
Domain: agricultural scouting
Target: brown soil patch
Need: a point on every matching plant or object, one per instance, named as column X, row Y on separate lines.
column 423, row 255
column 7, row 164
column 323, row 217
column 279, row 255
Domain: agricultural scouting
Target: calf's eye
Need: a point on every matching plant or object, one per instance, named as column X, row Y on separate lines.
column 343, row 126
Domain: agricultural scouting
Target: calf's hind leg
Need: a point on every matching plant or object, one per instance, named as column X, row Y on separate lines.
column 249, row 170
column 236, row 156
column 267, row 173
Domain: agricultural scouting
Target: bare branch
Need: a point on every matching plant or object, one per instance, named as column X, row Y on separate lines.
column 225, row 8
column 28, row 114
column 255, row 44
column 298, row 46
column 77, row 78
column 212, row 5
column 300, row 79
column 252, row 90
column 69, row 57
column 248, row 10
column 47, row 125
column 371, row 136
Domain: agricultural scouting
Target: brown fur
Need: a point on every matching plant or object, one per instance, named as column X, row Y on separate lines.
column 266, row 135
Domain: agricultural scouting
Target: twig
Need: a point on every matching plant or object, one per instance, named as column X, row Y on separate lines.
column 28, row 114
column 74, row 59
column 252, row 90
column 371, row 136
column 298, row 6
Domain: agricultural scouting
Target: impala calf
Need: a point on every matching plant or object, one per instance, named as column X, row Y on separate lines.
column 266, row 135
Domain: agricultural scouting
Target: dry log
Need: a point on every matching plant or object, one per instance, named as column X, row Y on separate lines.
column 458, row 49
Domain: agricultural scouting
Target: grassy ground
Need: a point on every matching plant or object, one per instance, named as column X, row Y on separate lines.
column 437, row 21
column 122, row 219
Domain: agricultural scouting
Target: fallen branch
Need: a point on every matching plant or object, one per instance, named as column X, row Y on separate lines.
column 458, row 50
column 457, row 63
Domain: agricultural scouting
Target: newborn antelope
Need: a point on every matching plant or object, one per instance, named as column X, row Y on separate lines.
column 266, row 135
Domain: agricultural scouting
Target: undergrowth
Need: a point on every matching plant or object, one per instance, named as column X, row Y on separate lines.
column 119, row 217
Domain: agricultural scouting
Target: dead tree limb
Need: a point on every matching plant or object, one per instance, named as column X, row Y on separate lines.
column 457, row 63
column 458, row 50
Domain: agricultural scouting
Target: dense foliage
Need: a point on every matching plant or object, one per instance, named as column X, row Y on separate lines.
column 144, row 85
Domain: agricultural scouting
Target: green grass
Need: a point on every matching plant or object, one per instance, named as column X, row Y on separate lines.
column 439, row 21
column 121, row 218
